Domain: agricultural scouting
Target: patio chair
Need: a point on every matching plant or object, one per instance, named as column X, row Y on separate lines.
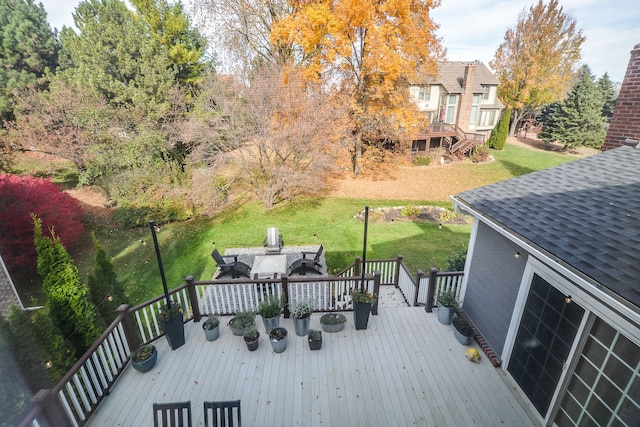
column 172, row 414
column 273, row 242
column 223, row 413
column 235, row 267
column 305, row 264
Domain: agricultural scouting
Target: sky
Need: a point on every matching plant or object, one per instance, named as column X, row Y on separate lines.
column 473, row 29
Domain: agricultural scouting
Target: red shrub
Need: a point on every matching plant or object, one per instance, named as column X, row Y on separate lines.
column 19, row 197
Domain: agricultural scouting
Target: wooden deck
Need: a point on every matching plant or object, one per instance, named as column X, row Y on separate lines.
column 405, row 369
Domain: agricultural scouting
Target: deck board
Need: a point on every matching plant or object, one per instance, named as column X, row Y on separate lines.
column 405, row 369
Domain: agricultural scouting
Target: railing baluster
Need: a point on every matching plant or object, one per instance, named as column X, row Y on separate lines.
column 67, row 408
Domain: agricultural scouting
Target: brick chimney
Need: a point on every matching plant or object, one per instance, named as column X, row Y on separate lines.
column 624, row 127
column 466, row 98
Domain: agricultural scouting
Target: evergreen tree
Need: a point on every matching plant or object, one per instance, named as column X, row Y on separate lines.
column 499, row 134
column 608, row 96
column 114, row 53
column 28, row 49
column 67, row 301
column 579, row 120
column 171, row 29
column 105, row 291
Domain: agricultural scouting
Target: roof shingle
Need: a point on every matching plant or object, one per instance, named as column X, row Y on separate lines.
column 586, row 212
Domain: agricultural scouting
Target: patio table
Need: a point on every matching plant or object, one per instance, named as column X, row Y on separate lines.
column 268, row 266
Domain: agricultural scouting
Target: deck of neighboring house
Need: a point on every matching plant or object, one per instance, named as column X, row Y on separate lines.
column 405, row 369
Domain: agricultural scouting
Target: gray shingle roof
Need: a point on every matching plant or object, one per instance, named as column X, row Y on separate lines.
column 451, row 76
column 586, row 212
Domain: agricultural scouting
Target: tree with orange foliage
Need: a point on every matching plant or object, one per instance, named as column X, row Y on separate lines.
column 537, row 60
column 369, row 50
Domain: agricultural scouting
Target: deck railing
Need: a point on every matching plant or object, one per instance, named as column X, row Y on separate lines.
column 72, row 400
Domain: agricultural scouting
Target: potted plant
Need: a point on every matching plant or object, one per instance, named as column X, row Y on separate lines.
column 315, row 339
column 271, row 309
column 144, row 358
column 333, row 322
column 211, row 327
column 171, row 317
column 278, row 337
column 462, row 330
column 241, row 322
column 251, row 338
column 447, row 304
column 362, row 302
column 301, row 314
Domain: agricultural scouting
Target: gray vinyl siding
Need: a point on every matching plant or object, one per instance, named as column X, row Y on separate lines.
column 492, row 288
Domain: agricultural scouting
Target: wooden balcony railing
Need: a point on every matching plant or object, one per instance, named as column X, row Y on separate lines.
column 72, row 400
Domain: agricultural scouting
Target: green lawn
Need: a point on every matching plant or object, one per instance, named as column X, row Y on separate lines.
column 186, row 246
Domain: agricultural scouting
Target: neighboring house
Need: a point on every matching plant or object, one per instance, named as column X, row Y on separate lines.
column 8, row 294
column 552, row 283
column 464, row 94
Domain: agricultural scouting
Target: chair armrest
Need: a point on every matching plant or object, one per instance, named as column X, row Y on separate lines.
column 235, row 257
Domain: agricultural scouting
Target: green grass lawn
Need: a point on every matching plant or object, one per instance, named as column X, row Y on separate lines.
column 186, row 246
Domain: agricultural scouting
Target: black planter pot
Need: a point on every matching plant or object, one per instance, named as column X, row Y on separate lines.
column 174, row 331
column 252, row 345
column 315, row 345
column 361, row 312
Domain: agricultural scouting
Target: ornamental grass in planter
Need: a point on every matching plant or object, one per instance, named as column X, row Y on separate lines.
column 333, row 322
column 271, row 310
column 315, row 339
column 211, row 327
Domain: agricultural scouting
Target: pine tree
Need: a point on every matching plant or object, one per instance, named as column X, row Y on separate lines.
column 28, row 49
column 579, row 120
column 105, row 291
column 499, row 134
column 608, row 93
column 67, row 301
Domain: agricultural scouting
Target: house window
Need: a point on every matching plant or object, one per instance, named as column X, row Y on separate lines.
column 605, row 386
column 486, row 92
column 543, row 341
column 451, row 109
column 424, row 93
column 474, row 109
column 487, row 117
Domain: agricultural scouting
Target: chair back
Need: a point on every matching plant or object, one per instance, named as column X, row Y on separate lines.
column 317, row 257
column 273, row 242
column 217, row 257
column 175, row 414
column 223, row 414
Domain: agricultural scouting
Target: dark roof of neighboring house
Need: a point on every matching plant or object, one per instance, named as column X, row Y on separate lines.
column 451, row 76
column 586, row 213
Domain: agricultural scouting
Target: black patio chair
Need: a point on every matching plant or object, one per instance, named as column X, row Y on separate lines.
column 235, row 267
column 175, row 414
column 305, row 264
column 223, row 414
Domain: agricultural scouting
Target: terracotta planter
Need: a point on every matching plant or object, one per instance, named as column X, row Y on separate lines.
column 361, row 311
